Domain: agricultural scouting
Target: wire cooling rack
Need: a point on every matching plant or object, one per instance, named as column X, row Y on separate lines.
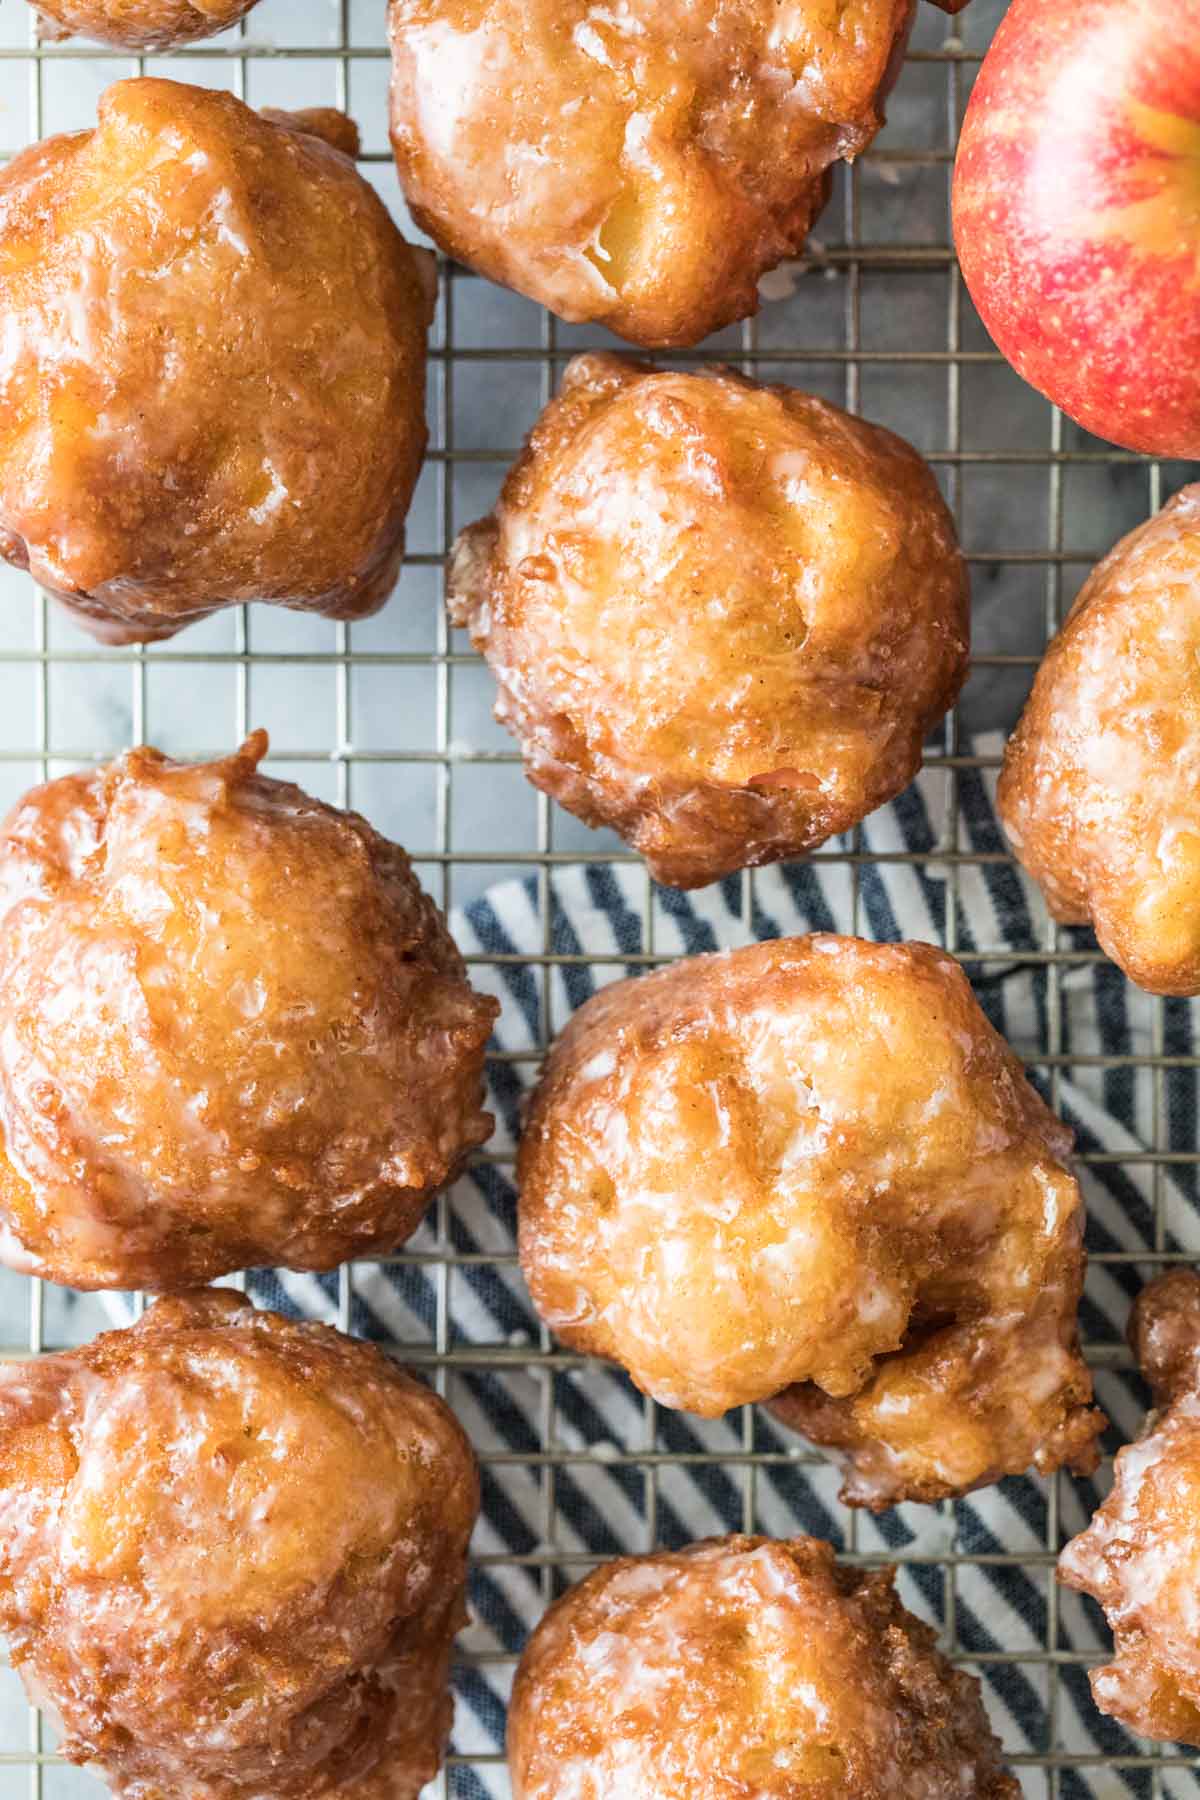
column 392, row 716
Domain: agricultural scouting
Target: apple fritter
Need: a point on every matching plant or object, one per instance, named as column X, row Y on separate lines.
column 722, row 617
column 810, row 1172
column 235, row 1031
column 1140, row 1556
column 212, row 372
column 1100, row 791
column 638, row 166
column 233, row 1556
column 745, row 1666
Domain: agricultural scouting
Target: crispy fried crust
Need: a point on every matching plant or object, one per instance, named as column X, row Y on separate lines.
column 639, row 166
column 213, row 373
column 1100, row 781
column 722, row 617
column 139, row 24
column 233, row 1556
column 235, row 1031
column 1140, row 1556
column 739, row 1669
column 811, row 1169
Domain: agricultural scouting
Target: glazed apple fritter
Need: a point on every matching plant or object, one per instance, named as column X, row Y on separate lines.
column 722, row 617
column 233, row 1029
column 1100, row 792
column 1140, row 1556
column 637, row 165
column 139, row 24
column 809, row 1171
column 751, row 1667
column 212, row 372
column 233, row 1556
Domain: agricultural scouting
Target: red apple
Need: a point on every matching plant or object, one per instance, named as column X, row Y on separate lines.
column 1077, row 211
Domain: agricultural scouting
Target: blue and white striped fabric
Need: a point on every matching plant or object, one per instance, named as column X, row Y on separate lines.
column 982, row 1569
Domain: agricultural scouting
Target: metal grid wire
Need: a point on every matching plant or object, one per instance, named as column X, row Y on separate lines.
column 391, row 717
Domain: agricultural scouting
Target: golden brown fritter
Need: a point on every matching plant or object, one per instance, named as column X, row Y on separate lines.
column 139, row 24
column 233, row 1029
column 745, row 1669
column 233, row 1556
column 638, row 165
column 1100, row 793
column 212, row 373
column 1140, row 1556
column 811, row 1169
column 722, row 617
